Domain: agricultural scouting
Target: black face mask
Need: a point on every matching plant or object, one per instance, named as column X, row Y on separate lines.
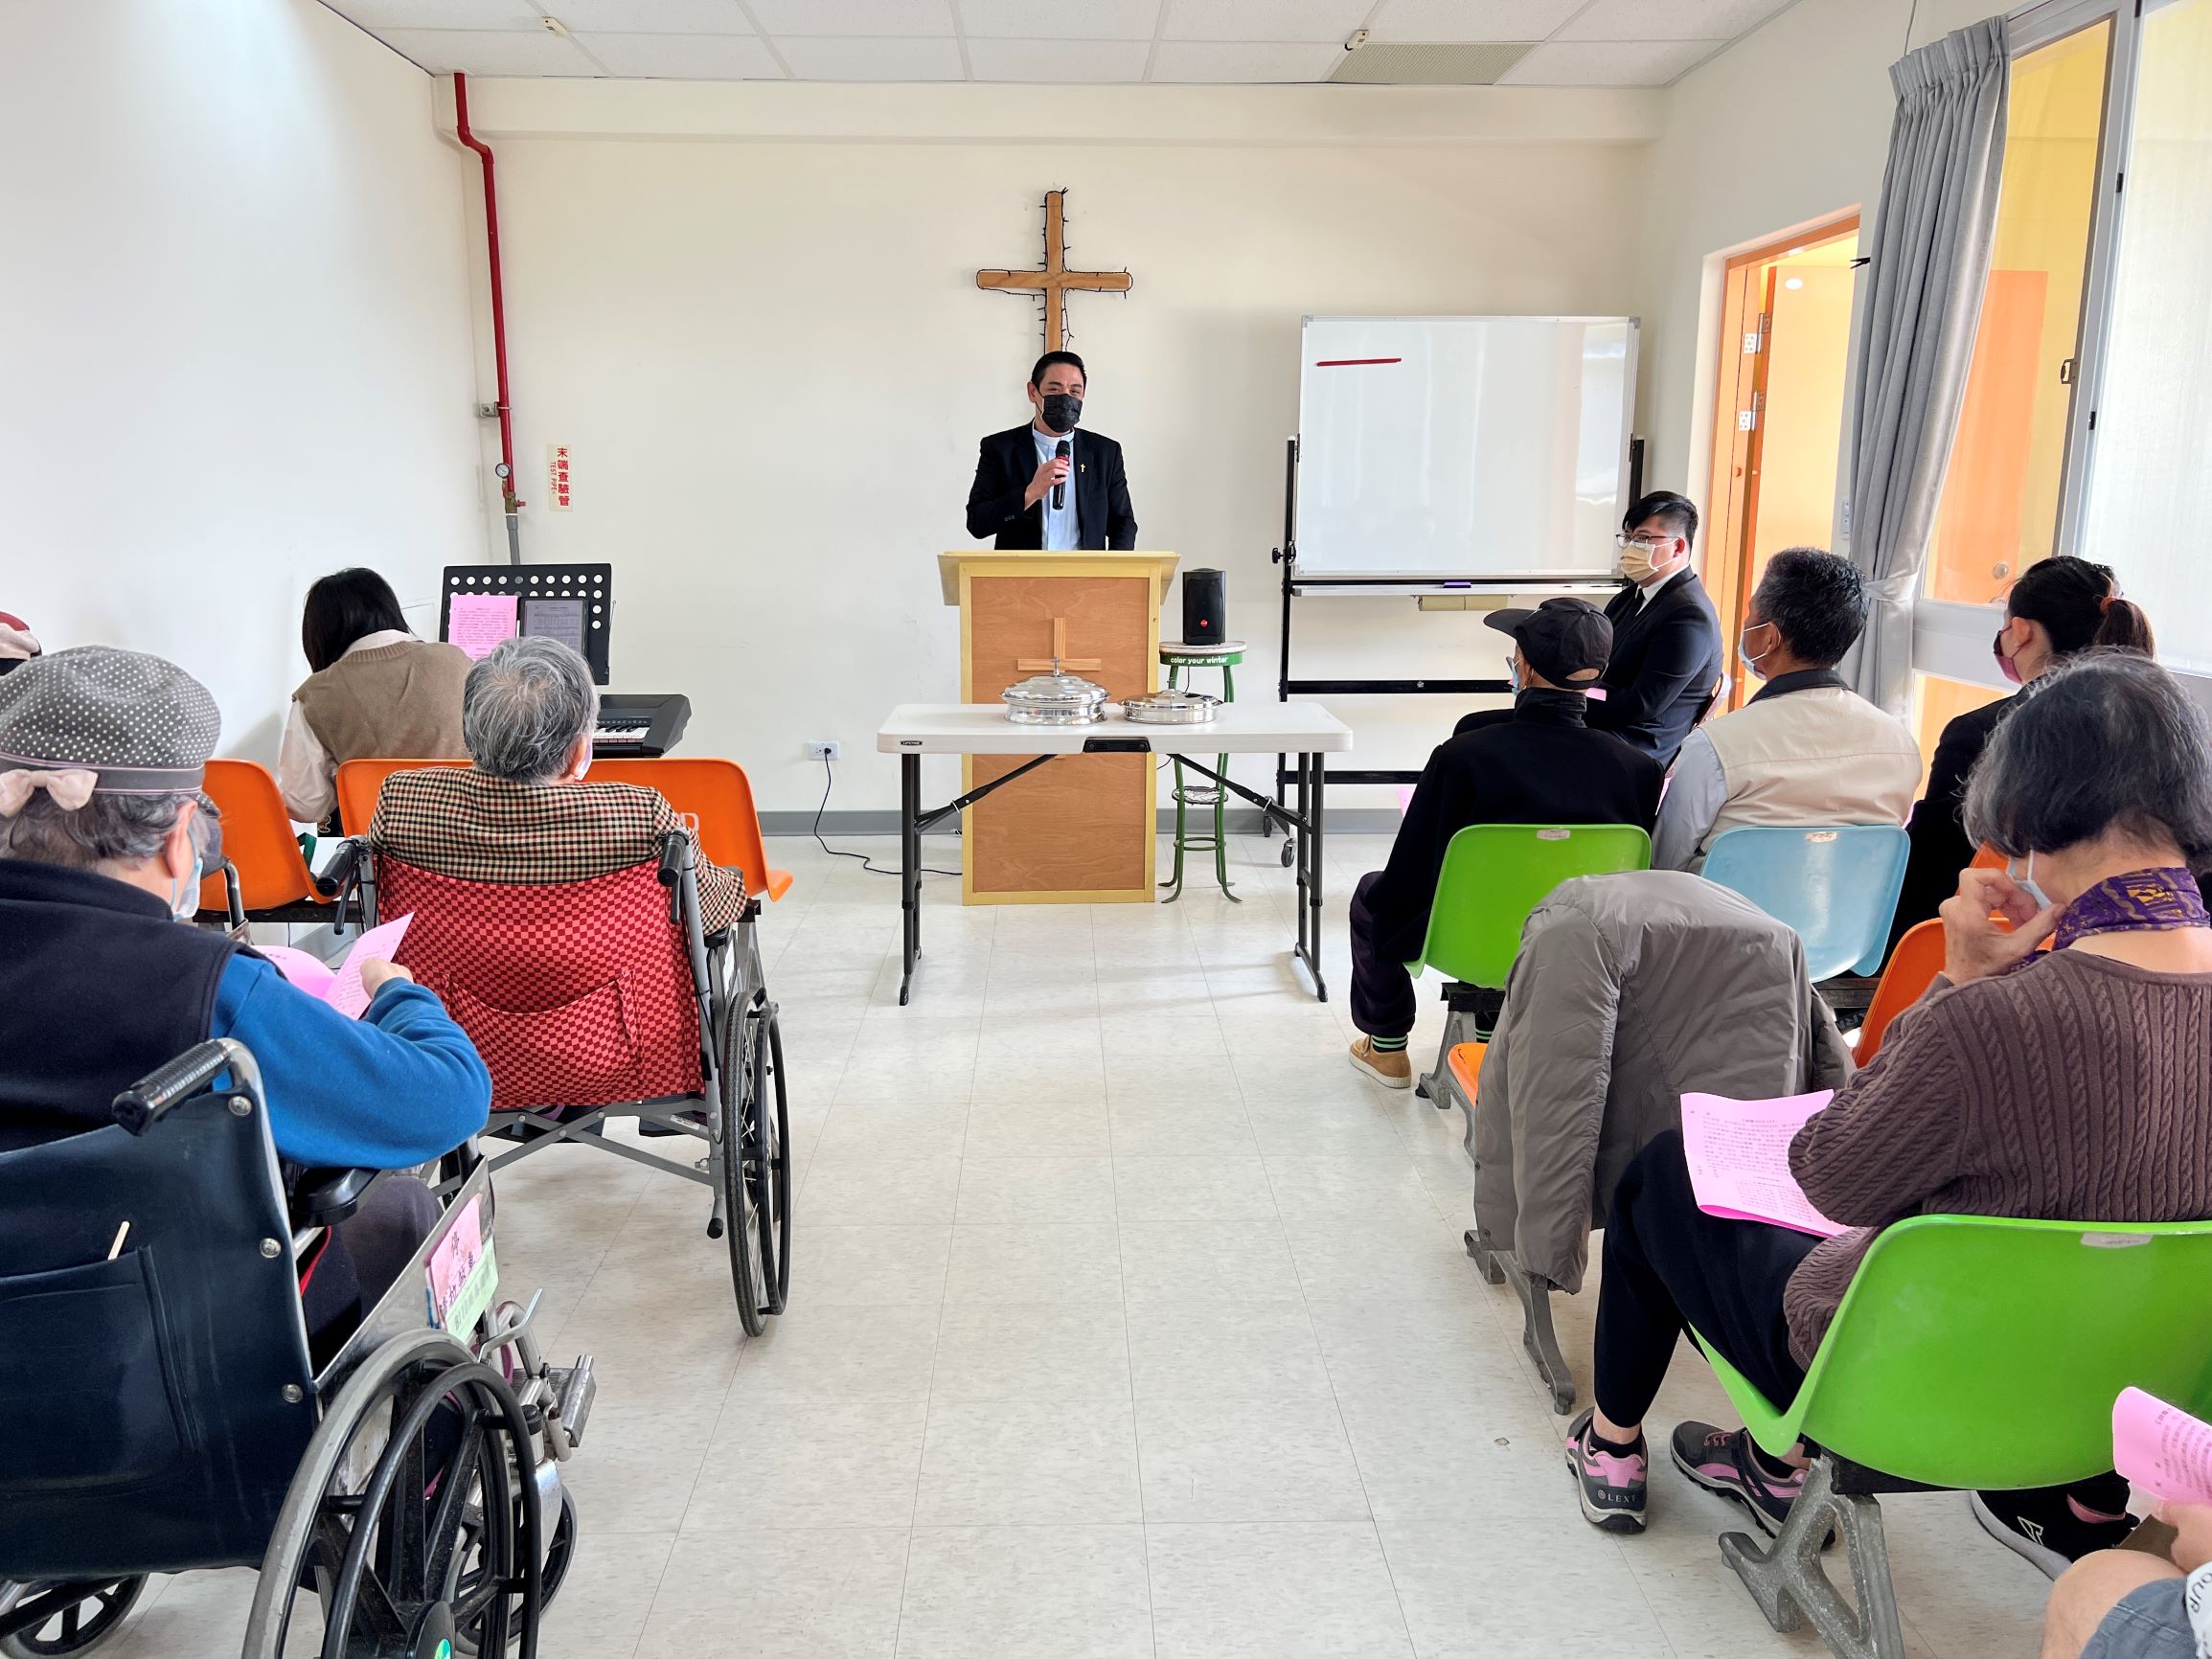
column 1062, row 411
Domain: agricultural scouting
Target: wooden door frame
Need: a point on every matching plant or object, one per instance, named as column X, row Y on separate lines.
column 1740, row 383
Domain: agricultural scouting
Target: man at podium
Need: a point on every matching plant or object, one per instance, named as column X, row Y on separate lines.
column 1043, row 486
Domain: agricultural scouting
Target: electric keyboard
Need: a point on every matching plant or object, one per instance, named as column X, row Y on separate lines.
column 639, row 726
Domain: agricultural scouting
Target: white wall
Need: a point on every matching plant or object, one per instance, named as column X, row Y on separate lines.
column 233, row 332
column 752, row 312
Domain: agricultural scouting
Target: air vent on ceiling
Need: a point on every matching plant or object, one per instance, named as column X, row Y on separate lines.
column 1430, row 63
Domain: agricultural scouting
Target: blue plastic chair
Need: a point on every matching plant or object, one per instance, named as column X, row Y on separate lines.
column 1836, row 885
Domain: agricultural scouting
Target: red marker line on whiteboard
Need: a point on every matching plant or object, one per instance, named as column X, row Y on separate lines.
column 1353, row 362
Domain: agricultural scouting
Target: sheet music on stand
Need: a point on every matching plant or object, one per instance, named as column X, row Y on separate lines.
column 481, row 604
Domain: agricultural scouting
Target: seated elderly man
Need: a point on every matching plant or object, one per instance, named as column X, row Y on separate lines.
column 523, row 813
column 103, row 838
column 1808, row 749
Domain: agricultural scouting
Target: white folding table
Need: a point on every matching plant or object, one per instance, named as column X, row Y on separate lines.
column 1306, row 731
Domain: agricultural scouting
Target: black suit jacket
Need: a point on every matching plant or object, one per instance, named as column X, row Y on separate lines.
column 1940, row 848
column 1007, row 462
column 1539, row 765
column 1666, row 658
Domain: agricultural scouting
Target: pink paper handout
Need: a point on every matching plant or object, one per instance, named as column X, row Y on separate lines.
column 2161, row 1449
column 476, row 622
column 340, row 986
column 1739, row 1157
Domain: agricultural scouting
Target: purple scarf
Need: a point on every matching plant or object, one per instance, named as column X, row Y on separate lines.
column 2141, row 901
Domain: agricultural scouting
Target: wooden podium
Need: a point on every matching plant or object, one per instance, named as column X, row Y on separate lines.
column 1082, row 830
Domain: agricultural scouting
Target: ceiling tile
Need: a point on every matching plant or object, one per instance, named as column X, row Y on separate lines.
column 822, row 18
column 683, row 56
column 488, row 52
column 1058, row 20
column 649, row 16
column 1061, row 62
column 1470, row 19
column 1607, row 62
column 438, row 13
column 1243, row 20
column 815, row 59
column 1670, row 20
column 1220, row 63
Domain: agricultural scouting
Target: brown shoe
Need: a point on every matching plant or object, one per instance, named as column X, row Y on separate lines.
column 1392, row 1068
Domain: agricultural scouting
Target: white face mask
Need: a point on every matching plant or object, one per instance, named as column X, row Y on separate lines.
column 1752, row 662
column 2025, row 881
column 184, row 896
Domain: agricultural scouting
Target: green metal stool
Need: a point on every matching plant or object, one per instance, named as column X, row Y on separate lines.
column 1225, row 656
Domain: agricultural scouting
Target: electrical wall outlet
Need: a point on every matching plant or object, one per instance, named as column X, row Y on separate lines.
column 824, row 749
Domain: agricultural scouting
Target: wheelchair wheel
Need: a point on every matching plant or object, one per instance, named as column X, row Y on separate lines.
column 767, row 1155
column 405, row 1520
column 467, row 1572
column 77, row 1625
column 740, row 1232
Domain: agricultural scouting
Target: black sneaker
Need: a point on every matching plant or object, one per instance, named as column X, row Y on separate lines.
column 1720, row 1460
column 2049, row 1526
column 1610, row 1485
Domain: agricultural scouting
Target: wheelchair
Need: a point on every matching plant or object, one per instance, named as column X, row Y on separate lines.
column 163, row 1413
column 605, row 998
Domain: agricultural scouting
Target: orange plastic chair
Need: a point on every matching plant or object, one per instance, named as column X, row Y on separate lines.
column 719, row 796
column 360, row 782
column 259, row 843
column 1466, row 1062
column 1912, row 968
column 1987, row 857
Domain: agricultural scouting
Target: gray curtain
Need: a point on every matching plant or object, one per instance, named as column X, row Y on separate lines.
column 1926, row 263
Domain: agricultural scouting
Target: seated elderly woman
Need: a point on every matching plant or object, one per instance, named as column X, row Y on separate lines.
column 103, row 838
column 524, row 814
column 2072, row 1085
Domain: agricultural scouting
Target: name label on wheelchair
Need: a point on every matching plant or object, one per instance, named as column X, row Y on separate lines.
column 1117, row 745
column 462, row 1271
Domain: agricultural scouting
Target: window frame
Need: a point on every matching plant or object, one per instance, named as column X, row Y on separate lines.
column 1943, row 628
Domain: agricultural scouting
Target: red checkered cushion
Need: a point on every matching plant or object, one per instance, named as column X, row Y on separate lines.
column 578, row 994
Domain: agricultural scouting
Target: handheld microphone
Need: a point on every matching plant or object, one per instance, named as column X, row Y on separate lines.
column 1060, row 489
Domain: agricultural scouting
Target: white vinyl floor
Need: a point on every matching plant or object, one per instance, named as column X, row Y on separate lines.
column 1126, row 1321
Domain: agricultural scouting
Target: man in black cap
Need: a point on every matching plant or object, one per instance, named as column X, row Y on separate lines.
column 1542, row 766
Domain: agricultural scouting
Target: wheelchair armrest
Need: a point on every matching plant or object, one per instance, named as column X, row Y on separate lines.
column 325, row 1197
column 341, row 873
column 143, row 1104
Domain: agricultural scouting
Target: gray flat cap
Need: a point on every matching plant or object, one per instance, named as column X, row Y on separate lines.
column 139, row 722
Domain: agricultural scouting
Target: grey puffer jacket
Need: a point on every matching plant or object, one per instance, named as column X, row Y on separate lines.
column 1628, row 990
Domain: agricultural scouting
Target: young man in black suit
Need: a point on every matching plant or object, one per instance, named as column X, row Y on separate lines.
column 1540, row 766
column 1666, row 639
column 1017, row 471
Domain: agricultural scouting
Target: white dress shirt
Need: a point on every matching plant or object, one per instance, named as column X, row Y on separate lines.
column 305, row 769
column 1061, row 531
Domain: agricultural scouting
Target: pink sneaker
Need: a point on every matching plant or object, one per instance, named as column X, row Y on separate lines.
column 1719, row 1460
column 1609, row 1485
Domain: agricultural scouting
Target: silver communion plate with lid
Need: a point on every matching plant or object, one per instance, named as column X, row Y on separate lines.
column 1055, row 700
column 1175, row 708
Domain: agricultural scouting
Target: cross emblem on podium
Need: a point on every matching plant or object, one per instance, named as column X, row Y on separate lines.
column 1060, row 659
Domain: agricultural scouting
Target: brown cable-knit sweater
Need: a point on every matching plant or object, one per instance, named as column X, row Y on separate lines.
column 2077, row 1089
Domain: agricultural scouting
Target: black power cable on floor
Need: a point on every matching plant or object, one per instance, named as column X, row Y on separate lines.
column 830, row 783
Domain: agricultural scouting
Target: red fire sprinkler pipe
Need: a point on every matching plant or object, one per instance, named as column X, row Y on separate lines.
column 510, row 504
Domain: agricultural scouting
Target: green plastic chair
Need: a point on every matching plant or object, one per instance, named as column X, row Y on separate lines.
column 1494, row 875
column 1970, row 1352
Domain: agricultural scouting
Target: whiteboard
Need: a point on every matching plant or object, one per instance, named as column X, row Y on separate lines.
column 1441, row 447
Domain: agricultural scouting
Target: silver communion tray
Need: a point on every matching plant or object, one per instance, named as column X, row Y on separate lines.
column 1170, row 709
column 1055, row 699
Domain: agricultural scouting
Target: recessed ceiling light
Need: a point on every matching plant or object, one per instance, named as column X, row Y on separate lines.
column 1792, row 253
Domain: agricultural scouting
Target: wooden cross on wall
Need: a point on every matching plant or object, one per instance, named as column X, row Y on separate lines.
column 1060, row 659
column 1055, row 281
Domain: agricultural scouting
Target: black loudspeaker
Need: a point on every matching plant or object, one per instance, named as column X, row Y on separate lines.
column 1205, row 607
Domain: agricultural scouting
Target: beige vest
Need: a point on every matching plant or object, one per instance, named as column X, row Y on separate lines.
column 396, row 701
column 1819, row 756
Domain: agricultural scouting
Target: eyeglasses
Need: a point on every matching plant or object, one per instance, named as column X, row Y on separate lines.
column 1624, row 539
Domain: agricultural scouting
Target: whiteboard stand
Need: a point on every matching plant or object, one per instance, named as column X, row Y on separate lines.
column 1296, row 586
